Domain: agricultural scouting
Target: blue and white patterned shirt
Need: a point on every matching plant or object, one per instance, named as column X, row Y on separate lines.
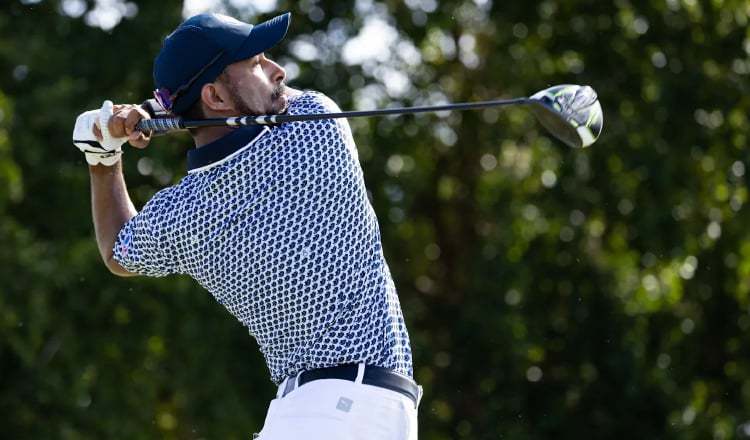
column 276, row 224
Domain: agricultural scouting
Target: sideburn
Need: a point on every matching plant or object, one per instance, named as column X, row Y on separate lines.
column 234, row 95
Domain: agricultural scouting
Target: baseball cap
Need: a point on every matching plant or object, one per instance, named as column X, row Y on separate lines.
column 201, row 47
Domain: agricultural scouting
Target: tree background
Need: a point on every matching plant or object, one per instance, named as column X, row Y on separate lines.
column 549, row 292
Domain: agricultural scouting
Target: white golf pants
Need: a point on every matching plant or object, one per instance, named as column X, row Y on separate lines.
column 336, row 409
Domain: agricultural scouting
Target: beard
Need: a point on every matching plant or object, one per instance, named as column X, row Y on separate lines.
column 278, row 91
column 245, row 109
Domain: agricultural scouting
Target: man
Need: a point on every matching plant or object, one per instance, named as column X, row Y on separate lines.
column 274, row 222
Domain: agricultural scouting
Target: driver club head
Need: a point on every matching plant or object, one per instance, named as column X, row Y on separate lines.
column 571, row 113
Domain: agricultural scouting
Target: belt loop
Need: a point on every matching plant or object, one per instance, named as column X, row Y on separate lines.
column 290, row 384
column 282, row 387
column 419, row 397
column 360, row 372
column 296, row 379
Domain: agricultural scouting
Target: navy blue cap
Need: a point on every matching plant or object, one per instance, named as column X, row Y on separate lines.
column 204, row 45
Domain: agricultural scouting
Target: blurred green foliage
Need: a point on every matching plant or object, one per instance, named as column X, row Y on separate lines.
column 549, row 292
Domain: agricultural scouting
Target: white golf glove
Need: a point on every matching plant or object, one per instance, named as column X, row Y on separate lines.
column 108, row 151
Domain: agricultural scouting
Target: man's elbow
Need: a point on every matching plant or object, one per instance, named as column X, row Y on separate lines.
column 116, row 269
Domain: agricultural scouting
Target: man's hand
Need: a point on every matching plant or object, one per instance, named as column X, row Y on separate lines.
column 122, row 124
column 99, row 134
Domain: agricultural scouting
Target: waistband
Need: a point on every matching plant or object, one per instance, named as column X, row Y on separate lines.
column 357, row 373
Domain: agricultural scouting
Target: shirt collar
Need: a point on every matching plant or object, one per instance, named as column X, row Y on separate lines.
column 223, row 147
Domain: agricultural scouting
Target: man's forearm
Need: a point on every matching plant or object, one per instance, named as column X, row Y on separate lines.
column 111, row 209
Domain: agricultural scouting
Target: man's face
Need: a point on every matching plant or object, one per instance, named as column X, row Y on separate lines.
column 256, row 86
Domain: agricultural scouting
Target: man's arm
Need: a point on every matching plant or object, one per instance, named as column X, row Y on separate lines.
column 111, row 208
column 110, row 203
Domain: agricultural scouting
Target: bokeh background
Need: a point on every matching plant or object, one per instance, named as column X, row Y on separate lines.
column 549, row 292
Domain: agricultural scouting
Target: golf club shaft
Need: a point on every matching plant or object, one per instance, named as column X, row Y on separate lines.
column 163, row 125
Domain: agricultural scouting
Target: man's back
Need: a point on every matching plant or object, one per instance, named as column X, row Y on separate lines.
column 282, row 233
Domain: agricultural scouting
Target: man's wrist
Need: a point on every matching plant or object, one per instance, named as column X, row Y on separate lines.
column 106, row 159
column 105, row 170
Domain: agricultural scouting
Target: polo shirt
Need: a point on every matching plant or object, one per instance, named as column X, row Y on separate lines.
column 276, row 224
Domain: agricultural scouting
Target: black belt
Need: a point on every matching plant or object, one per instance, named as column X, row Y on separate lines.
column 375, row 376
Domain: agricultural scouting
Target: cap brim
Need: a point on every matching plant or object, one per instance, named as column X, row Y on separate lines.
column 263, row 37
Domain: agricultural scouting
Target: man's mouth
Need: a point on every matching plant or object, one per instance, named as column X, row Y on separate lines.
column 279, row 94
column 278, row 91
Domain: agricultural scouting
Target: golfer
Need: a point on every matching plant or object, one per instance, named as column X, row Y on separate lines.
column 275, row 222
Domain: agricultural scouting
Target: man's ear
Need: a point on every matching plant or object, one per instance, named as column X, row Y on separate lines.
column 215, row 97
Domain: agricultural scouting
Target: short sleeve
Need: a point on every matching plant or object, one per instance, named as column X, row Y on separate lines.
column 142, row 245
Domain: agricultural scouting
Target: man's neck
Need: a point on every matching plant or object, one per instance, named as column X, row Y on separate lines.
column 206, row 135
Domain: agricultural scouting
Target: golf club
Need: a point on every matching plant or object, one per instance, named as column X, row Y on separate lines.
column 570, row 113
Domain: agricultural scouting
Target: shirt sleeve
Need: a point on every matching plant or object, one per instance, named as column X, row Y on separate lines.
column 142, row 245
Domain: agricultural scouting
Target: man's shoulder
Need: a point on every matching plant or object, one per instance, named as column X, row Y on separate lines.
column 163, row 200
column 311, row 102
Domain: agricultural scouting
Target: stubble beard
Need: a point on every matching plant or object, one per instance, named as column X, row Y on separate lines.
column 278, row 92
column 244, row 108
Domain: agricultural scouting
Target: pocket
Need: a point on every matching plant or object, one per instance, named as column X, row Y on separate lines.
column 301, row 407
column 379, row 418
column 302, row 421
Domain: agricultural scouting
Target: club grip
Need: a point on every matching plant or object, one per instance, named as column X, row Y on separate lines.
column 160, row 124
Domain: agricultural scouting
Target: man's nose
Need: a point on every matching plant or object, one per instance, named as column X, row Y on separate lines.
column 278, row 74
